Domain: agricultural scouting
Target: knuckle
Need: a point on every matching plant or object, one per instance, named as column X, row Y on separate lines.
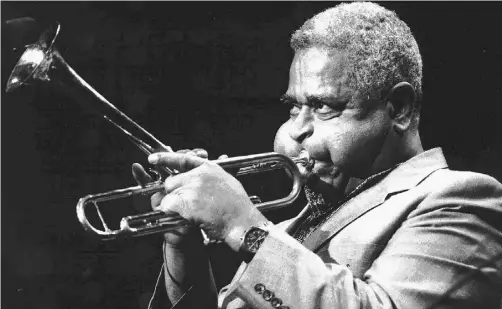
column 212, row 168
column 200, row 152
column 184, row 201
column 185, row 164
column 209, row 164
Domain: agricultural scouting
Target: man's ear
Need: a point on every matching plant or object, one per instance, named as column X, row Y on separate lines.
column 401, row 99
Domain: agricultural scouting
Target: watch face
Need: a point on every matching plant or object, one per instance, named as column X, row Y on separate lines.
column 254, row 246
column 254, row 239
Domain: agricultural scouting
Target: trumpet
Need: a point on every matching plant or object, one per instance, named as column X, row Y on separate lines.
column 42, row 62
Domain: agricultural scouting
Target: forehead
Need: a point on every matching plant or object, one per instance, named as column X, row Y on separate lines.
column 317, row 71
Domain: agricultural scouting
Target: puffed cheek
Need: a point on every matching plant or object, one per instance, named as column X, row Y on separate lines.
column 283, row 143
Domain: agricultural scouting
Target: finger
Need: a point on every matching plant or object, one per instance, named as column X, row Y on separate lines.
column 173, row 203
column 202, row 153
column 231, row 171
column 187, row 152
column 140, row 175
column 156, row 199
column 199, row 152
column 176, row 161
column 177, row 181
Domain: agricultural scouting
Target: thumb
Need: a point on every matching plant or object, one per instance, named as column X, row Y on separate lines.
column 178, row 161
column 140, row 175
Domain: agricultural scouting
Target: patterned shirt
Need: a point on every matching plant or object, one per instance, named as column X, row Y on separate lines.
column 320, row 210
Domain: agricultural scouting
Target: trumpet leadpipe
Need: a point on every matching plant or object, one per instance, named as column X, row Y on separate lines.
column 259, row 167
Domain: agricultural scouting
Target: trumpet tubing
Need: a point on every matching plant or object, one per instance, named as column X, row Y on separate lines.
column 159, row 222
column 42, row 62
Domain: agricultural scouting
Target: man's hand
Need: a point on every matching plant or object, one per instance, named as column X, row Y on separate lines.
column 179, row 237
column 207, row 196
column 176, row 237
column 183, row 235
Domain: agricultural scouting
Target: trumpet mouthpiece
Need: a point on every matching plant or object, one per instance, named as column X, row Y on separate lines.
column 305, row 160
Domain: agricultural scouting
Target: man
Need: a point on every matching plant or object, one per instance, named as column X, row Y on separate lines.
column 387, row 225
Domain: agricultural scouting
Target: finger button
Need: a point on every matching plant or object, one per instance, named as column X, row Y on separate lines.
column 276, row 302
column 268, row 295
column 259, row 288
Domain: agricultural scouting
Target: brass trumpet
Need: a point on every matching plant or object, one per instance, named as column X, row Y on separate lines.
column 42, row 62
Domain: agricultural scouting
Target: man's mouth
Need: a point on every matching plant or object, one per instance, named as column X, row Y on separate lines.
column 306, row 165
column 305, row 172
column 318, row 171
column 314, row 169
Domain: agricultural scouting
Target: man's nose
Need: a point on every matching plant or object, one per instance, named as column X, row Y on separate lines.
column 302, row 126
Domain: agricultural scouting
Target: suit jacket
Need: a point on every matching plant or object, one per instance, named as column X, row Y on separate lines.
column 423, row 237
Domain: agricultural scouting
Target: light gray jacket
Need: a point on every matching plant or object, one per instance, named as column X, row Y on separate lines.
column 402, row 243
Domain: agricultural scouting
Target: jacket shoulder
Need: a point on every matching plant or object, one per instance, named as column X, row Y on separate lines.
column 461, row 189
column 446, row 179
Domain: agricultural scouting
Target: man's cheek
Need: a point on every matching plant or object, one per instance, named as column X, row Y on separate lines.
column 334, row 148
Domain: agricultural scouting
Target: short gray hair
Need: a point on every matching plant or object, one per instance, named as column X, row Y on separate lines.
column 380, row 47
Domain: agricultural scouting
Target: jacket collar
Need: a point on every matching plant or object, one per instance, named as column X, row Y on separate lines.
column 410, row 173
column 403, row 177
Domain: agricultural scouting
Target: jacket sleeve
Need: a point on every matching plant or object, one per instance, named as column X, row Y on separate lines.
column 442, row 256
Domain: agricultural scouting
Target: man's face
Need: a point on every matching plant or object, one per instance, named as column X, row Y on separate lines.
column 342, row 131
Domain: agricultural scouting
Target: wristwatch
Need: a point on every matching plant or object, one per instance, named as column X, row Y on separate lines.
column 251, row 242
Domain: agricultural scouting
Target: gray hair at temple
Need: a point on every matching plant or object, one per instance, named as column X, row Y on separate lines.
column 380, row 47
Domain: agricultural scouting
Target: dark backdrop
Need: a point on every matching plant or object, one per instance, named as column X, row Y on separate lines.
column 196, row 74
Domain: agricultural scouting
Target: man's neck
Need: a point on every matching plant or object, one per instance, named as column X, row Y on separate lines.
column 399, row 149
column 403, row 149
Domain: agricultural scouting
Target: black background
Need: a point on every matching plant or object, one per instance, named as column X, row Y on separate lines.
column 196, row 74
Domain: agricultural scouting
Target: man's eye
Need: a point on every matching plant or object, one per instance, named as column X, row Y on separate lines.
column 322, row 108
column 295, row 109
column 324, row 111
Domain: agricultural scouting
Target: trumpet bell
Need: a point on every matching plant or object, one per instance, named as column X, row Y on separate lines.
column 35, row 60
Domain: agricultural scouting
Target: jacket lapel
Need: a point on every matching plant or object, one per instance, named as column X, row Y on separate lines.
column 346, row 213
column 297, row 220
column 405, row 176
